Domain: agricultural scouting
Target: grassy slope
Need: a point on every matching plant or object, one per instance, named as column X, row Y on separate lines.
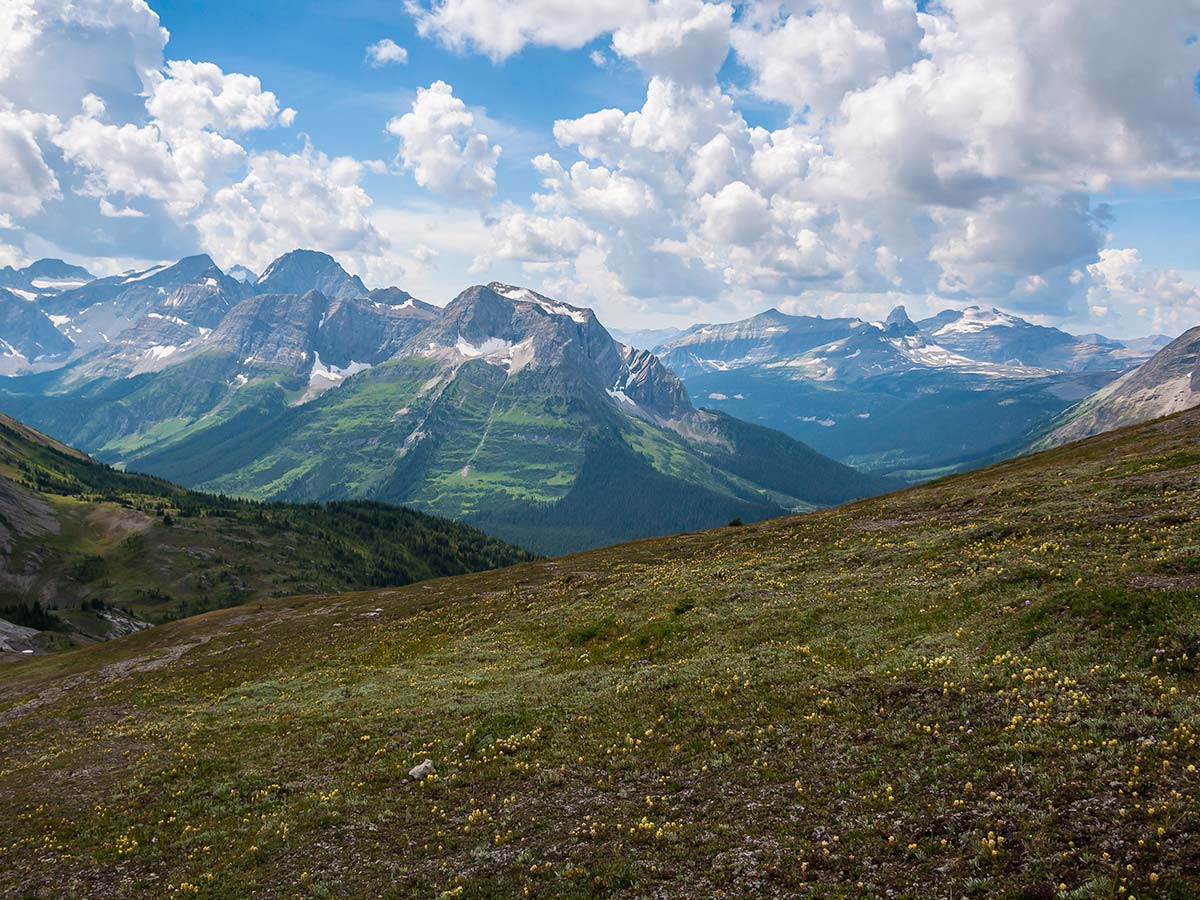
column 983, row 687
column 112, row 541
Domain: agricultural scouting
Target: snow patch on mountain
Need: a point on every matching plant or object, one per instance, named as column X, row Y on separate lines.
column 142, row 276
column 490, row 347
column 975, row 319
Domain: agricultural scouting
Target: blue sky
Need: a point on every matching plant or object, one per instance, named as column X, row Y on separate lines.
column 313, row 55
column 664, row 161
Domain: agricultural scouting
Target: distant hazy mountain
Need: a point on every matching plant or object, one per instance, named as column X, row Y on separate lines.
column 242, row 274
column 645, row 338
column 988, row 335
column 1168, row 382
column 507, row 409
column 957, row 389
column 45, row 275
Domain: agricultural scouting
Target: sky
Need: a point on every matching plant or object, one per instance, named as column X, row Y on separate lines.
column 662, row 161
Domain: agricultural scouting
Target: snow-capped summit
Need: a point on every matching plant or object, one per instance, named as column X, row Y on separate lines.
column 242, row 274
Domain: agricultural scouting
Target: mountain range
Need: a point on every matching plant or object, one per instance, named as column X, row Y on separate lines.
column 506, row 408
column 900, row 397
column 1169, row 382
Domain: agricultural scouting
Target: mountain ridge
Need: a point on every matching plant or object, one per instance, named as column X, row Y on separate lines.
column 908, row 399
column 487, row 409
column 1167, row 383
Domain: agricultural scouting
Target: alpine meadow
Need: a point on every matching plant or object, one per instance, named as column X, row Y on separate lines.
column 641, row 450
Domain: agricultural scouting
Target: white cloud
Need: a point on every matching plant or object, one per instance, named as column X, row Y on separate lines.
column 500, row 28
column 685, row 40
column 53, row 52
column 26, row 181
column 1158, row 300
column 951, row 152
column 948, row 153
column 196, row 96
column 440, row 145
column 386, row 52
column 810, row 55
column 127, row 160
column 294, row 200
column 737, row 214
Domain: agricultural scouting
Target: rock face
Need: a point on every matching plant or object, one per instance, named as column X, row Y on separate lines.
column 302, row 271
column 106, row 313
column 506, row 408
column 1168, row 382
column 28, row 335
column 899, row 325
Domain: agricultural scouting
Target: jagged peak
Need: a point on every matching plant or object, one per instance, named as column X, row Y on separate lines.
column 898, row 324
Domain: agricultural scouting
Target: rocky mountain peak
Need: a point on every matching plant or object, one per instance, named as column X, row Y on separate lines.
column 301, row 271
column 898, row 324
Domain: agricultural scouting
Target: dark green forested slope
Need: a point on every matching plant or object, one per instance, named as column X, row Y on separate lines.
column 90, row 543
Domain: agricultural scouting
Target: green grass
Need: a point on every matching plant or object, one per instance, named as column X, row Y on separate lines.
column 985, row 687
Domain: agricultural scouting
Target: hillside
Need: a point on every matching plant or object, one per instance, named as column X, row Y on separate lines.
column 1166, row 383
column 506, row 409
column 983, row 687
column 87, row 552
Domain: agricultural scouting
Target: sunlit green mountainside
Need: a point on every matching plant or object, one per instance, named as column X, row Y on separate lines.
column 984, row 687
column 87, row 552
column 506, row 409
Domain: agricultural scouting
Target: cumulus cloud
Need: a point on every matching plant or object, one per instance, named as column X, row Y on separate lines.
column 737, row 214
column 685, row 40
column 1122, row 286
column 26, row 181
column 953, row 151
column 934, row 152
column 89, row 105
column 196, row 96
column 810, row 55
column 500, row 28
column 301, row 199
column 386, row 52
column 441, row 146
column 53, row 52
